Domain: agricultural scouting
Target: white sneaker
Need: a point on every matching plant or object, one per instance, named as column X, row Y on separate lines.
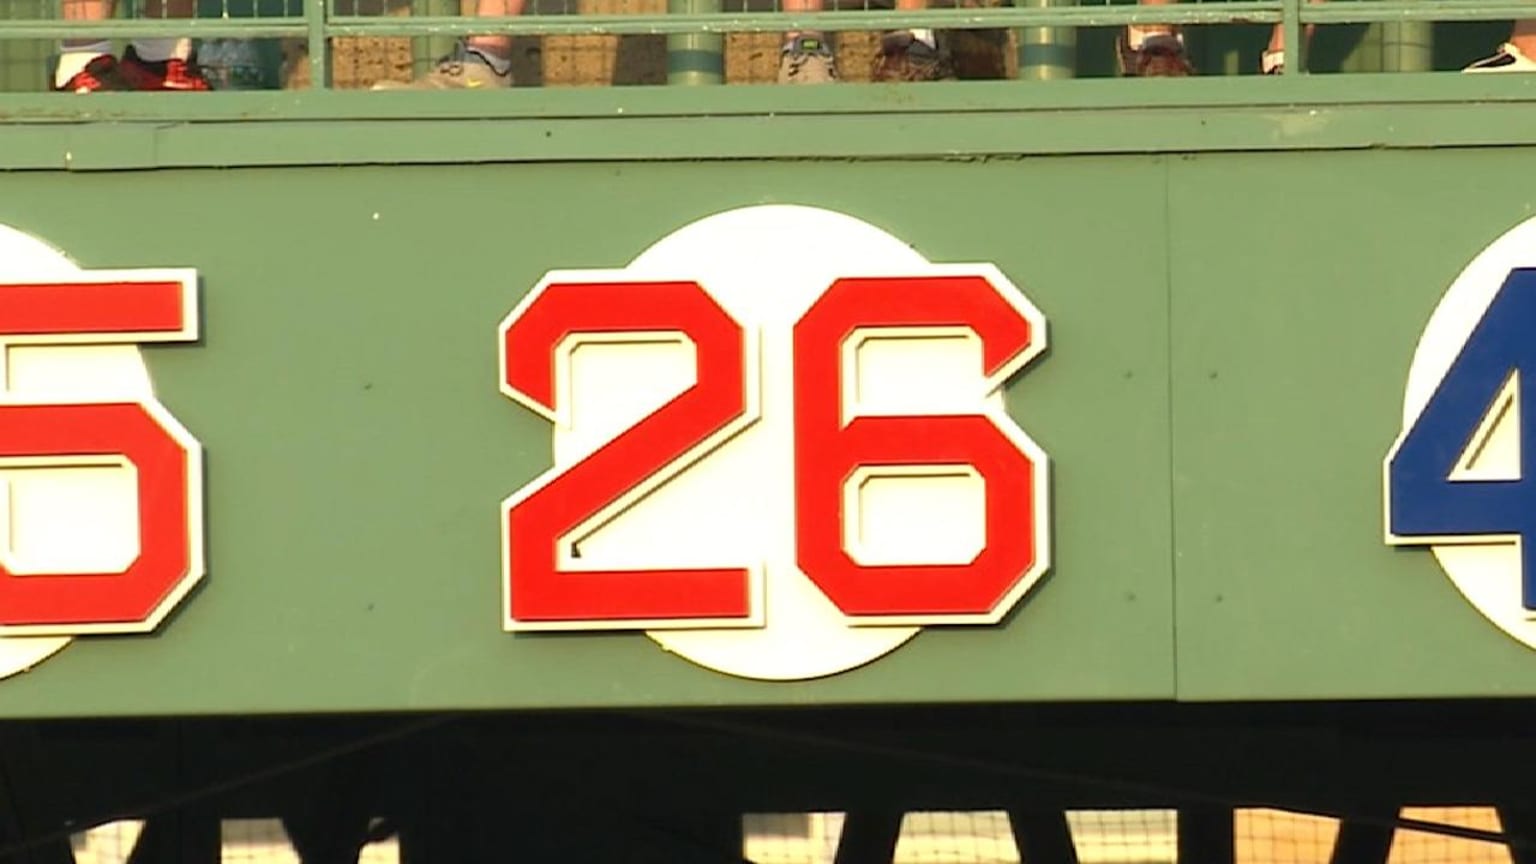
column 807, row 60
column 464, row 69
column 1509, row 59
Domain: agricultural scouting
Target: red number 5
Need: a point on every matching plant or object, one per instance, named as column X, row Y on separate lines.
column 137, row 433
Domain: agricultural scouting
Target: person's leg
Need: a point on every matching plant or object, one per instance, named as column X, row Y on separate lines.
column 912, row 55
column 1274, row 54
column 478, row 62
column 1524, row 37
column 87, row 65
column 497, row 50
column 163, row 63
column 1139, row 33
column 1153, row 50
column 1516, row 55
column 806, row 56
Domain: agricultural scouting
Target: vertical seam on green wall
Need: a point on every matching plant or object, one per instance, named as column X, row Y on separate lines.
column 1173, row 513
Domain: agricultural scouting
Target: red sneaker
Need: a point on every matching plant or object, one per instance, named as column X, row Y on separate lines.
column 172, row 74
column 102, row 73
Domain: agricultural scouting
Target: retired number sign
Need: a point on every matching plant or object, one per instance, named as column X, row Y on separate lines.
column 1458, row 479
column 100, row 487
column 780, row 446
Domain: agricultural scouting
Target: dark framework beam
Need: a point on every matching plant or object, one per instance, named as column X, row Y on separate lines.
column 190, row 835
column 1206, row 834
column 30, row 814
column 1042, row 836
column 1365, row 837
column 1519, row 822
column 869, row 837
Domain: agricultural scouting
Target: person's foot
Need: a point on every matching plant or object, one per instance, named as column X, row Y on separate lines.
column 101, row 73
column 807, row 59
column 1161, row 55
column 174, row 74
column 464, row 69
column 1508, row 59
column 904, row 57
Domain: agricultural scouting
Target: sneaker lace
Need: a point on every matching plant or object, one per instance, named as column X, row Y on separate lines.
column 453, row 62
column 799, row 55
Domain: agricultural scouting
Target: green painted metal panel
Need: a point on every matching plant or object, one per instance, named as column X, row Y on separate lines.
column 1299, row 292
column 1232, row 315
column 980, row 119
column 24, row 63
column 357, row 448
column 1128, row 106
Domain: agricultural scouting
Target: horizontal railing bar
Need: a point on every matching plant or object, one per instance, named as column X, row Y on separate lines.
column 235, row 28
column 1415, row 10
column 750, row 22
column 1247, row 11
column 965, row 18
column 1272, row 97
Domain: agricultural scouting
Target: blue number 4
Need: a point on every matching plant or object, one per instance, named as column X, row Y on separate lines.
column 1425, row 503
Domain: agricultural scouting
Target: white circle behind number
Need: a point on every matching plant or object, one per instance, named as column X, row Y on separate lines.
column 1486, row 574
column 766, row 266
column 35, row 522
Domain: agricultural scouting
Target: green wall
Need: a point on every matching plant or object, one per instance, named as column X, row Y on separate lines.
column 1234, row 290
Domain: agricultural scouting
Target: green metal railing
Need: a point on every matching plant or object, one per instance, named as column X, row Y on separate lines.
column 696, row 17
column 694, row 29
